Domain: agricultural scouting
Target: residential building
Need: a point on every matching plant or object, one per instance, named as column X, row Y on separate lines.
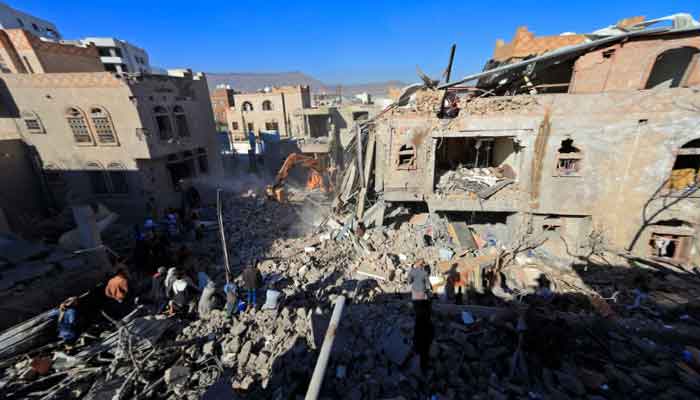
column 15, row 19
column 24, row 199
column 222, row 99
column 118, row 138
column 120, row 56
column 601, row 147
column 22, row 52
column 274, row 109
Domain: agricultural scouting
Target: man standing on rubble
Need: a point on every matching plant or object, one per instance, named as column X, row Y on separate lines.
column 252, row 280
column 421, row 291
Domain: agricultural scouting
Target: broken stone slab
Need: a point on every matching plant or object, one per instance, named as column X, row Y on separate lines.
column 176, row 375
column 395, row 345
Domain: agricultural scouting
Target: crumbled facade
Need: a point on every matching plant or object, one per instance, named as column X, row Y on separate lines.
column 618, row 152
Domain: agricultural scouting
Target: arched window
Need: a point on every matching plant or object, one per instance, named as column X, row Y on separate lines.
column 671, row 67
column 78, row 126
column 97, row 177
column 686, row 169
column 117, row 178
column 247, row 106
column 32, row 122
column 102, row 123
column 181, row 121
column 165, row 129
column 267, row 105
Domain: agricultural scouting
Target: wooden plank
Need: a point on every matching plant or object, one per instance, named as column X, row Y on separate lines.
column 358, row 147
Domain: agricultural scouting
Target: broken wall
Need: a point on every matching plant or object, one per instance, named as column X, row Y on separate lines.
column 625, row 148
column 628, row 65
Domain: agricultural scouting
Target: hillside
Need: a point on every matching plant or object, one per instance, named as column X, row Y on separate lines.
column 249, row 82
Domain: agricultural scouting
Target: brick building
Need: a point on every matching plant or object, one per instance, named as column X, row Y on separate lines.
column 21, row 52
column 222, row 98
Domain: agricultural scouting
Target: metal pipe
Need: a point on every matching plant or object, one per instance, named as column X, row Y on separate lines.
column 324, row 355
column 223, row 235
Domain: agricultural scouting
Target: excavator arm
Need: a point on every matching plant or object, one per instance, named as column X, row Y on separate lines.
column 293, row 160
column 315, row 179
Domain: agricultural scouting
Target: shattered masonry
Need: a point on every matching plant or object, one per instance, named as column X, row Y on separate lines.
column 554, row 203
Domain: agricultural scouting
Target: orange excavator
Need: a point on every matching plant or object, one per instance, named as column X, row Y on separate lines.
column 315, row 180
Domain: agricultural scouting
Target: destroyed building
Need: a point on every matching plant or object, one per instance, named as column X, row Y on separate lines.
column 563, row 135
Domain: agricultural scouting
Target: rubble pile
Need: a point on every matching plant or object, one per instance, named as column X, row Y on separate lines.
column 524, row 328
column 492, row 105
column 464, row 179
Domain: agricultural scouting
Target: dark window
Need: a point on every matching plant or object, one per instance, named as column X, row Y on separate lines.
column 119, row 181
column 165, row 129
column 686, row 169
column 97, row 179
column 568, row 159
column 671, row 67
column 407, row 157
column 360, row 116
column 271, row 126
column 36, row 27
column 203, row 163
column 111, row 67
column 234, row 125
column 20, row 22
column 53, row 177
column 78, row 126
column 267, row 105
column 247, row 106
column 103, row 52
column 103, row 126
column 181, row 121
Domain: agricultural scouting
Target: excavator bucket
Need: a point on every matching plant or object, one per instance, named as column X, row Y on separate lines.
column 315, row 181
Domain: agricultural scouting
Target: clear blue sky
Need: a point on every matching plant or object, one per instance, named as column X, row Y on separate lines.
column 334, row 41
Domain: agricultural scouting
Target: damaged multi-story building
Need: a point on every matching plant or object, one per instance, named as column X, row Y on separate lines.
column 569, row 137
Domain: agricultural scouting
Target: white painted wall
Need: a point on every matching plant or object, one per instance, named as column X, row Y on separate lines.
column 15, row 19
column 134, row 58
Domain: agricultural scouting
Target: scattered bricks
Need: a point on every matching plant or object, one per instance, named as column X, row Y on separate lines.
column 176, row 375
column 208, row 348
column 570, row 383
column 591, row 380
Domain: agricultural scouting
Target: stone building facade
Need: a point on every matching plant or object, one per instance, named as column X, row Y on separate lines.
column 273, row 110
column 617, row 153
column 117, row 139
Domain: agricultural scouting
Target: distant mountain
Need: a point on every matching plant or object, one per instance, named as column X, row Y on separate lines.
column 250, row 82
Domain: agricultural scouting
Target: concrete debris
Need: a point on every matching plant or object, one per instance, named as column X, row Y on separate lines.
column 468, row 179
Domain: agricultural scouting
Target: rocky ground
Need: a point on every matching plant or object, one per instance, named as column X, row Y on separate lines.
column 584, row 337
